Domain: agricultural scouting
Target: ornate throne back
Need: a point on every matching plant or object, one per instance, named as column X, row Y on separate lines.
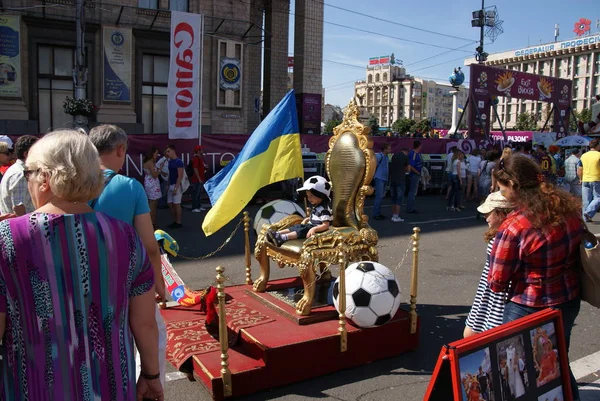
column 350, row 164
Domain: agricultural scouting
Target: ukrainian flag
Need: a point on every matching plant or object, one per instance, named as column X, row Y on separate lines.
column 271, row 154
column 460, row 108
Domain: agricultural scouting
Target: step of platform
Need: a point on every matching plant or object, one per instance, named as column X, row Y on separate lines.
column 283, row 351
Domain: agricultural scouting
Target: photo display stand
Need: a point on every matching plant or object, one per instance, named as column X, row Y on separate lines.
column 524, row 360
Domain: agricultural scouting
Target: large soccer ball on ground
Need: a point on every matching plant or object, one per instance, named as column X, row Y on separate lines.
column 274, row 211
column 372, row 294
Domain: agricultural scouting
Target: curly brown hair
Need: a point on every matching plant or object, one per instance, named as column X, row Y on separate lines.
column 541, row 202
column 491, row 233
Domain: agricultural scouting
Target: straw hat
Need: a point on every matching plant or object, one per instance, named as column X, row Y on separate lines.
column 495, row 200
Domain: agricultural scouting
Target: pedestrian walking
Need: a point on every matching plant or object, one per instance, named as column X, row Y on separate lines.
column 589, row 171
column 197, row 178
column 152, row 182
column 572, row 180
column 415, row 164
column 398, row 172
column 536, row 254
column 380, row 179
column 454, row 200
column 175, row 186
column 474, row 160
column 488, row 306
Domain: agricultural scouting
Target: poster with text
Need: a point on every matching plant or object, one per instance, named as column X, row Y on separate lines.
column 10, row 56
column 117, row 64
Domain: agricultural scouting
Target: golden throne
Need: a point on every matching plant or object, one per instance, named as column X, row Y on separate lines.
column 350, row 164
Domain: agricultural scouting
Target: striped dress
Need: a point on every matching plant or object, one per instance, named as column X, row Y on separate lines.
column 65, row 285
column 488, row 307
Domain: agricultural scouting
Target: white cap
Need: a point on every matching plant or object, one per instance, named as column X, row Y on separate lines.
column 495, row 200
column 9, row 142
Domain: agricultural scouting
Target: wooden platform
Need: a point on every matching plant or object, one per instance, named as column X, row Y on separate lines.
column 291, row 348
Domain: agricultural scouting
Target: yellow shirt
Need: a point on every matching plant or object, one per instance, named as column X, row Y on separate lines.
column 591, row 166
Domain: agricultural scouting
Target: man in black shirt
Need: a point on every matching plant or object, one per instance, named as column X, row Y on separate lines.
column 398, row 168
column 482, row 378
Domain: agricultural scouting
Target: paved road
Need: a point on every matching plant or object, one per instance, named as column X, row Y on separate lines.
column 451, row 259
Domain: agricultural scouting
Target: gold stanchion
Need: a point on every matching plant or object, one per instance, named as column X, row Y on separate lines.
column 342, row 304
column 414, row 280
column 223, row 337
column 247, row 246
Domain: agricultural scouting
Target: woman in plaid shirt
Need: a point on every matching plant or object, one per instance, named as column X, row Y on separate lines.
column 535, row 256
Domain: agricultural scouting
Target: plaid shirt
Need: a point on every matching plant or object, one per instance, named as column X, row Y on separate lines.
column 539, row 265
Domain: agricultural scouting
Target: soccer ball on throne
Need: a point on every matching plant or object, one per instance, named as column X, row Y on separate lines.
column 372, row 294
column 274, row 211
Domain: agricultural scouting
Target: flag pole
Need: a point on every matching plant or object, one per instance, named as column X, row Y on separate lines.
column 201, row 78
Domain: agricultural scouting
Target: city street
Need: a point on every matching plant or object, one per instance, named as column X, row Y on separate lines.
column 451, row 258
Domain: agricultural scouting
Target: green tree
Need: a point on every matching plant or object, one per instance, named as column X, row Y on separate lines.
column 403, row 126
column 526, row 122
column 422, row 126
column 373, row 124
column 331, row 124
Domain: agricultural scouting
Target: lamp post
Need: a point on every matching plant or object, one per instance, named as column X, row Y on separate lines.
column 482, row 19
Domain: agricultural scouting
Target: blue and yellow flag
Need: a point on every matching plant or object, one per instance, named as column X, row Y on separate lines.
column 460, row 108
column 271, row 154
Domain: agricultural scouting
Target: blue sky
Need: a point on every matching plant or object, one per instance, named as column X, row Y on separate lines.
column 525, row 22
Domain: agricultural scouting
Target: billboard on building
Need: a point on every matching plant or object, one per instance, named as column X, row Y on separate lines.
column 10, row 56
column 116, row 73
column 489, row 82
column 184, row 91
column 379, row 60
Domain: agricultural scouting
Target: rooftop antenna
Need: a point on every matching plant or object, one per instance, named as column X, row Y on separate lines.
column 557, row 32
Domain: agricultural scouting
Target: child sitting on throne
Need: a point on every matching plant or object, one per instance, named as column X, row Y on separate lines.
column 318, row 191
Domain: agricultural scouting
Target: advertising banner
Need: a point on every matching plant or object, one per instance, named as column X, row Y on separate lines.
column 10, row 56
column 184, row 97
column 310, row 112
column 117, row 44
column 489, row 82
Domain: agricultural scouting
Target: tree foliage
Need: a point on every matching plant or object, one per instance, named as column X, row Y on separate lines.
column 403, row 126
column 585, row 115
column 374, row 125
column 526, row 122
column 331, row 124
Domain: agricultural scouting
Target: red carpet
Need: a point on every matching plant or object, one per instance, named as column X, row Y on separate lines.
column 187, row 335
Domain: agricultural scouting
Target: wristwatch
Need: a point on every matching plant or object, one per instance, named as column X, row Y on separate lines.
column 150, row 377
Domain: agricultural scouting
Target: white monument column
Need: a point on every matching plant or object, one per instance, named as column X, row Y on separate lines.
column 454, row 126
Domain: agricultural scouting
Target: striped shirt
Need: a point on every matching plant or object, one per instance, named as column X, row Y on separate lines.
column 321, row 214
column 541, row 263
column 488, row 306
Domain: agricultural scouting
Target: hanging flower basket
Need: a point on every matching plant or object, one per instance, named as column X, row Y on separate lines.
column 78, row 107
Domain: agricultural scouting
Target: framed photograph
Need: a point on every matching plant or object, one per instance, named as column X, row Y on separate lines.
column 524, row 360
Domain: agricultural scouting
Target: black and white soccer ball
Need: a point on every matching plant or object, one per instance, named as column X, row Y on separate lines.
column 274, row 211
column 372, row 294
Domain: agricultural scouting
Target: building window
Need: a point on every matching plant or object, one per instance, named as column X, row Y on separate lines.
column 385, row 77
column 148, row 4
column 55, row 83
column 178, row 5
column 370, row 79
column 155, row 78
column 376, row 77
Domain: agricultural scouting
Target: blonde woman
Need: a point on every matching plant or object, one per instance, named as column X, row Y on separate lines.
column 74, row 286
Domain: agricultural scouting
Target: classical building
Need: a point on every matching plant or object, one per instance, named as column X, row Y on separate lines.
column 575, row 59
column 390, row 94
column 46, row 33
column 332, row 112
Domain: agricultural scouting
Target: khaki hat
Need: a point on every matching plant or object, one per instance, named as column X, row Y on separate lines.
column 495, row 200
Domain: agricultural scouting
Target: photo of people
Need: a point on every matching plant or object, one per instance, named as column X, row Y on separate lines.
column 476, row 377
column 545, row 353
column 512, row 366
column 556, row 394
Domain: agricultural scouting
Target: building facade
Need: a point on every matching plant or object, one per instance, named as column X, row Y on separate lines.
column 576, row 59
column 233, row 30
column 390, row 94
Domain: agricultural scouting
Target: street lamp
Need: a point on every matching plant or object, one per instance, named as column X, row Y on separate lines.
column 486, row 19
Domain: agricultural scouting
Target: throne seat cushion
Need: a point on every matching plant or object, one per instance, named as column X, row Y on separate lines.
column 294, row 246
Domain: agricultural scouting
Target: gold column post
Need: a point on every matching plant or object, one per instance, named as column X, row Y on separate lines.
column 414, row 280
column 223, row 337
column 342, row 304
column 247, row 246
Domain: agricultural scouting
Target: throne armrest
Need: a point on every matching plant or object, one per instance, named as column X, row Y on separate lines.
column 286, row 222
